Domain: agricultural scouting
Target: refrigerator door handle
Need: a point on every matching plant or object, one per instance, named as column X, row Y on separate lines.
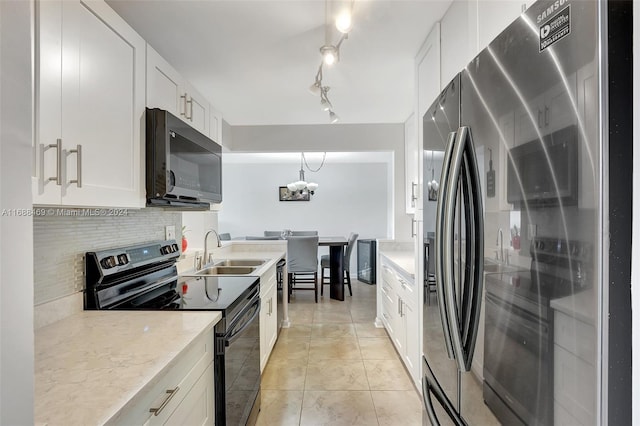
column 475, row 249
column 440, row 240
column 448, row 248
column 463, row 325
column 428, row 405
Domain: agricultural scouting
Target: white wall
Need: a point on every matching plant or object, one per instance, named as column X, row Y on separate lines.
column 334, row 138
column 352, row 197
column 16, row 237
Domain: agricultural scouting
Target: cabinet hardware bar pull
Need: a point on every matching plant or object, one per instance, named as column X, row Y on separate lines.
column 190, row 103
column 58, row 146
column 413, row 228
column 170, row 394
column 78, row 180
column 184, row 105
column 546, row 115
column 539, row 118
column 414, row 198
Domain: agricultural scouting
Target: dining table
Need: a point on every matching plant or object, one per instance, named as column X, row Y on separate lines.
column 336, row 265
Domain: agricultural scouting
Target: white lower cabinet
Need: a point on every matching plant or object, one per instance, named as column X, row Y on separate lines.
column 574, row 378
column 197, row 408
column 182, row 395
column 400, row 315
column 268, row 315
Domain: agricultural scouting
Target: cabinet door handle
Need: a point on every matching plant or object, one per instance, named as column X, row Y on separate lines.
column 189, row 102
column 546, row 115
column 185, row 101
column 58, row 146
column 539, row 118
column 413, row 228
column 78, row 179
column 170, row 394
column 414, row 198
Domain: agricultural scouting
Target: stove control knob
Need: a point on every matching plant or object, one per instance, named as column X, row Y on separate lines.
column 123, row 259
column 165, row 250
column 175, row 247
column 109, row 262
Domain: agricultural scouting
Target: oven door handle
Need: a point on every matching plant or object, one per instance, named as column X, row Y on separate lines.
column 441, row 212
column 236, row 329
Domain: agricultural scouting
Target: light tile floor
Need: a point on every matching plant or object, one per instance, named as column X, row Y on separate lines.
column 334, row 367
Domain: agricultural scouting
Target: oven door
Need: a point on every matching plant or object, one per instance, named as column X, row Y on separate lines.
column 517, row 363
column 238, row 387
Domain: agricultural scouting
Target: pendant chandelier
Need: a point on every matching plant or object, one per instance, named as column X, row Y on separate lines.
column 301, row 185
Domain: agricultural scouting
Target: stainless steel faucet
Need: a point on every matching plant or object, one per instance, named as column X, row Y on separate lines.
column 206, row 250
column 499, row 239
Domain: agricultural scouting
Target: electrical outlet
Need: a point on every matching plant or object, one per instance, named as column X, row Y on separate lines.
column 170, row 232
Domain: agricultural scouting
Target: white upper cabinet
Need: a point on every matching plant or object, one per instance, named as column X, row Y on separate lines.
column 168, row 90
column 458, row 39
column 89, row 107
column 427, row 82
column 215, row 125
column 411, row 156
column 496, row 15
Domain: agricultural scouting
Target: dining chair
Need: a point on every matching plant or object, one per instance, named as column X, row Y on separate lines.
column 273, row 234
column 260, row 237
column 325, row 263
column 303, row 233
column 302, row 263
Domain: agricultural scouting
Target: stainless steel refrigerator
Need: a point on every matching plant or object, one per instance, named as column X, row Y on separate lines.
column 523, row 213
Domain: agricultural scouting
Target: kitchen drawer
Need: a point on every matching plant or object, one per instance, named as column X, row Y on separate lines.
column 575, row 336
column 389, row 275
column 183, row 373
column 267, row 279
column 198, row 407
column 388, row 313
column 574, row 385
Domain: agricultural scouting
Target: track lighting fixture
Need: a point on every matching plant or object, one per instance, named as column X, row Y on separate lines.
column 330, row 55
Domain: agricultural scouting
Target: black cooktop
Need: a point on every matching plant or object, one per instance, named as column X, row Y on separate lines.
column 212, row 292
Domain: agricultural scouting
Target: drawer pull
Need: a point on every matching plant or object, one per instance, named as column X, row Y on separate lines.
column 170, row 394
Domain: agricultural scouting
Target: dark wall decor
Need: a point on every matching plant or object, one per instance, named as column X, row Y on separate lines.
column 287, row 195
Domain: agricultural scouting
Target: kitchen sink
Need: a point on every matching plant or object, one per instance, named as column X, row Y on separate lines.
column 239, row 262
column 226, row 270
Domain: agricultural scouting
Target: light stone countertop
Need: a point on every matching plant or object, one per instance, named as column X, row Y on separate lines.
column 89, row 365
column 404, row 260
column 581, row 306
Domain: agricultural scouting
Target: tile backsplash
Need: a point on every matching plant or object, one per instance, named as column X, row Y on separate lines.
column 61, row 241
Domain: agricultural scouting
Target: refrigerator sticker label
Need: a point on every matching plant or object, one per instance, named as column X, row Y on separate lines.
column 556, row 28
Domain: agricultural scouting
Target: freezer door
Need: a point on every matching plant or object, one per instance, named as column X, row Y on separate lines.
column 536, row 83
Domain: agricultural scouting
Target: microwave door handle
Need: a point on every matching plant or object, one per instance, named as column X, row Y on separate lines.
column 441, row 212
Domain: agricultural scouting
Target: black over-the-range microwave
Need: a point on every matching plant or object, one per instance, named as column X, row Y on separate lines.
column 544, row 172
column 183, row 166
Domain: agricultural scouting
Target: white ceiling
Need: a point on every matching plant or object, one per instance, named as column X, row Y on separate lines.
column 255, row 60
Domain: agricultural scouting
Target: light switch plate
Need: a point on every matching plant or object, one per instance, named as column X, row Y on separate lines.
column 170, row 232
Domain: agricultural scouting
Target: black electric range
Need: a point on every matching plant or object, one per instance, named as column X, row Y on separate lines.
column 144, row 277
